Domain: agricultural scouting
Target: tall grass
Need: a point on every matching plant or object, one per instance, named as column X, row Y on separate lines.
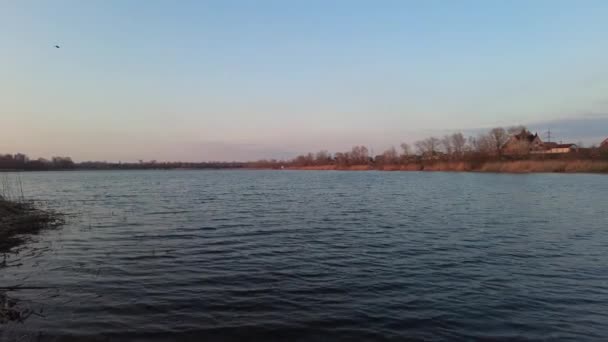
column 19, row 220
column 569, row 166
column 19, row 217
column 11, row 189
column 513, row 166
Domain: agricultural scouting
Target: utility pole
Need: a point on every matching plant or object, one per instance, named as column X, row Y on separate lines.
column 548, row 135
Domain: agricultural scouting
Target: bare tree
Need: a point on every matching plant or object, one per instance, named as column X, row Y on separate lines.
column 446, row 142
column 428, row 147
column 472, row 144
column 406, row 150
column 342, row 159
column 497, row 138
column 304, row 160
column 322, row 157
column 458, row 144
column 481, row 144
column 390, row 156
column 359, row 155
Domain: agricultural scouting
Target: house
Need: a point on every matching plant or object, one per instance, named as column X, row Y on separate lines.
column 523, row 142
column 604, row 144
column 561, row 148
column 549, row 145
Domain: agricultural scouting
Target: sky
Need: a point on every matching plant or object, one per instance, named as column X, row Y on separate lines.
column 244, row 80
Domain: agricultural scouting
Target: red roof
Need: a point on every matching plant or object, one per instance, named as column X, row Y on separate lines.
column 604, row 143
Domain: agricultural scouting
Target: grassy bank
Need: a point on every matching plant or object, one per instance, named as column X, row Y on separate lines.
column 517, row 166
column 20, row 220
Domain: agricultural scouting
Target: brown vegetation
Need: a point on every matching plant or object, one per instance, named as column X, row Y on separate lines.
column 18, row 220
column 499, row 150
column 570, row 166
column 513, row 166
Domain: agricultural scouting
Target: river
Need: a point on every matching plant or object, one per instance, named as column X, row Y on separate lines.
column 315, row 255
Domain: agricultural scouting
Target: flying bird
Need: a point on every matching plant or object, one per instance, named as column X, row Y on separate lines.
column 57, row 46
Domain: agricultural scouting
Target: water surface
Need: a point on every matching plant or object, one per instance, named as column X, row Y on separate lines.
column 296, row 255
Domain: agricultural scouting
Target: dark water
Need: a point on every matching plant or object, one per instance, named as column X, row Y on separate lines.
column 288, row 255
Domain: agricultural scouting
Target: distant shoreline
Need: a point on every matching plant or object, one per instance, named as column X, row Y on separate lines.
column 513, row 149
column 495, row 166
column 517, row 166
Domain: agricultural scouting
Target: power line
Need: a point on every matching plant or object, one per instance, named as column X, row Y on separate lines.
column 548, row 135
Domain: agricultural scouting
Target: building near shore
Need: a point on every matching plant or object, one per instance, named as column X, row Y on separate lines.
column 561, row 148
column 522, row 143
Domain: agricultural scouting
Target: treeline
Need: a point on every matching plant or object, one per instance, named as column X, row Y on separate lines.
column 453, row 147
column 21, row 161
column 475, row 150
column 10, row 162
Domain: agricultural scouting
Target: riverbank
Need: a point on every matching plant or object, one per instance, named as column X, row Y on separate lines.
column 19, row 220
column 517, row 166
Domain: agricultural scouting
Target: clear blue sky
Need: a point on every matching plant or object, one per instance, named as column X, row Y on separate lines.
column 199, row 80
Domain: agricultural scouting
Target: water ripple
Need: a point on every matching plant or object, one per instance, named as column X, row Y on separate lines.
column 300, row 256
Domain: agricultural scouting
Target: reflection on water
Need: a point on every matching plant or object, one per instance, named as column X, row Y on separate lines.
column 289, row 255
